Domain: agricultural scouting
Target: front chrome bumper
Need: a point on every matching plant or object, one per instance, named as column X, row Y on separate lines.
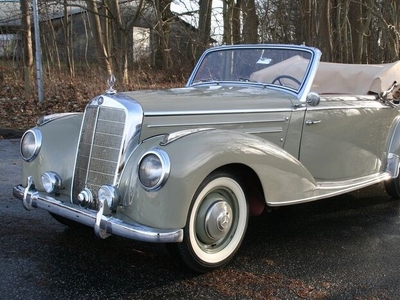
column 103, row 225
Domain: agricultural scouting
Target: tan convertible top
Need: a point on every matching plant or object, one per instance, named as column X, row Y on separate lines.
column 356, row 79
column 335, row 78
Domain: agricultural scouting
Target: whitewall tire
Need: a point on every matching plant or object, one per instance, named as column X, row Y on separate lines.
column 216, row 223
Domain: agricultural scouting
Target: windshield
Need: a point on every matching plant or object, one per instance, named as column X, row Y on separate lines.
column 285, row 67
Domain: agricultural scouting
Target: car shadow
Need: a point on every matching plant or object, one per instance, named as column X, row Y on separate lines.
column 283, row 241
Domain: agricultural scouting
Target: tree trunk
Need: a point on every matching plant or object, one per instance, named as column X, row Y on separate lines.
column 68, row 41
column 236, row 22
column 227, row 11
column 119, row 51
column 360, row 20
column 163, row 51
column 101, row 51
column 325, row 30
column 49, row 36
column 231, row 10
column 27, row 47
column 204, row 30
column 250, row 22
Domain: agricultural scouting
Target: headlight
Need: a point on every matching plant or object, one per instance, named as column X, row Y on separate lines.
column 31, row 142
column 51, row 182
column 154, row 168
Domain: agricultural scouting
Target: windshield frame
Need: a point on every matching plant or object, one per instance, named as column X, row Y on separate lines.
column 299, row 93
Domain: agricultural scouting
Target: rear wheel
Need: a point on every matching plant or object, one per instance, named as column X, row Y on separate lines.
column 392, row 187
column 216, row 224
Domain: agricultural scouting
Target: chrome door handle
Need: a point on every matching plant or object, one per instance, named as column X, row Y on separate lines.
column 311, row 122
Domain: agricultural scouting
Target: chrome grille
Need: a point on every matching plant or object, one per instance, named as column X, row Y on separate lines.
column 99, row 148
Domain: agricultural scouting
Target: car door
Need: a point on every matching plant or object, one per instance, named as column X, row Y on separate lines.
column 345, row 137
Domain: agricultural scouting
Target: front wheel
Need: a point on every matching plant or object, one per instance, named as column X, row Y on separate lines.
column 216, row 224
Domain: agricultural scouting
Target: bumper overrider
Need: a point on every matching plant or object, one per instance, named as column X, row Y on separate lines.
column 103, row 225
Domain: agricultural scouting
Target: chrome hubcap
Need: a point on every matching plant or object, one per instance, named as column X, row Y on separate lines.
column 218, row 220
column 214, row 219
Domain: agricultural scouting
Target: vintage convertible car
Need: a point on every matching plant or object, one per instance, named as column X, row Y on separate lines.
column 256, row 126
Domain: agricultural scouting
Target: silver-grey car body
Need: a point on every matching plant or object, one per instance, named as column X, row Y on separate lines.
column 256, row 126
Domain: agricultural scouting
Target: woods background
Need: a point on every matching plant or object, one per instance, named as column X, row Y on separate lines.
column 142, row 38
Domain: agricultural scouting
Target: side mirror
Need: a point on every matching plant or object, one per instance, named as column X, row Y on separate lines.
column 313, row 99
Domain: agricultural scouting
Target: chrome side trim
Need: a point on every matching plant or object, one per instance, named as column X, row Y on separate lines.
column 353, row 183
column 331, row 189
column 103, row 225
column 214, row 112
column 376, row 106
column 171, row 137
column 347, row 97
column 218, row 123
column 49, row 118
column 270, row 130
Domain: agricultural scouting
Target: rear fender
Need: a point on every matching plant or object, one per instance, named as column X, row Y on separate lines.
column 393, row 149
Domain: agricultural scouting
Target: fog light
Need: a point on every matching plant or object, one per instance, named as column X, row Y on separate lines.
column 51, row 182
column 110, row 195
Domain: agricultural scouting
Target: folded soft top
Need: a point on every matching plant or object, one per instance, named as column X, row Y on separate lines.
column 356, row 79
column 336, row 78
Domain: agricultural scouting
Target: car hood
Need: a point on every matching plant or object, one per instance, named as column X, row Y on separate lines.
column 213, row 98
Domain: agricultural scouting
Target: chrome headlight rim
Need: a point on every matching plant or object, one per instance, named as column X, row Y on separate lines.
column 165, row 169
column 30, row 154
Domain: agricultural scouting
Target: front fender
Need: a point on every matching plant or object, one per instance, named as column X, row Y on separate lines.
column 59, row 139
column 195, row 156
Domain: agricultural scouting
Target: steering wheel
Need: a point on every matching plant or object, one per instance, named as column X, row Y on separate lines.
column 278, row 79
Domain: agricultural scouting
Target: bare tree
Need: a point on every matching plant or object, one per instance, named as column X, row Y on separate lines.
column 232, row 21
column 164, row 17
column 360, row 19
column 250, row 22
column 121, row 24
column 100, row 44
column 67, row 23
column 325, row 28
column 48, row 36
column 360, row 31
column 27, row 46
column 204, row 30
